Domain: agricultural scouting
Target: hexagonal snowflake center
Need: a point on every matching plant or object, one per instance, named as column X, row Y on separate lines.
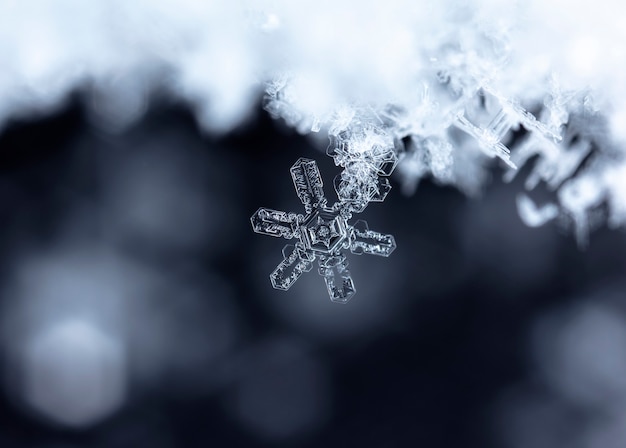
column 324, row 231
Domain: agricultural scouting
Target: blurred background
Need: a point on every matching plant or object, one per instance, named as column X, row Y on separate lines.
column 136, row 308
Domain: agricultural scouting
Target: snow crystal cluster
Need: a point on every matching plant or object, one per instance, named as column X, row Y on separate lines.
column 431, row 87
column 475, row 88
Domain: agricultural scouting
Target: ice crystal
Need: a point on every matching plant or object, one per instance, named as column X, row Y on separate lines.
column 323, row 233
column 365, row 153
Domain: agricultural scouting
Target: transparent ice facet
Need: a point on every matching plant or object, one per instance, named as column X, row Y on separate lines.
column 308, row 182
column 366, row 241
column 488, row 139
column 290, row 269
column 366, row 152
column 323, row 232
column 339, row 283
column 365, row 145
column 356, row 193
column 520, row 115
column 353, row 193
column 382, row 188
column 274, row 223
column 510, row 115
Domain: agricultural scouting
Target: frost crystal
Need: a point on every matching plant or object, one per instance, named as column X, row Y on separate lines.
column 323, row 232
column 365, row 153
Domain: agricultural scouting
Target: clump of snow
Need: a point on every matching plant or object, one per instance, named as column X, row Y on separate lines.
column 456, row 82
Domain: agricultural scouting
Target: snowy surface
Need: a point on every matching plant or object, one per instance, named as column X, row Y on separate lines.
column 454, row 79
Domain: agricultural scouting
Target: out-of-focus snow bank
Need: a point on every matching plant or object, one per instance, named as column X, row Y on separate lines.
column 453, row 81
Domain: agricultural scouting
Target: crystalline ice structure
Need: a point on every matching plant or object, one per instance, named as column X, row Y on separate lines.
column 323, row 233
column 365, row 152
column 509, row 116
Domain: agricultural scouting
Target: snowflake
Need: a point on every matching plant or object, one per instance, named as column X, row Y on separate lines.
column 323, row 233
